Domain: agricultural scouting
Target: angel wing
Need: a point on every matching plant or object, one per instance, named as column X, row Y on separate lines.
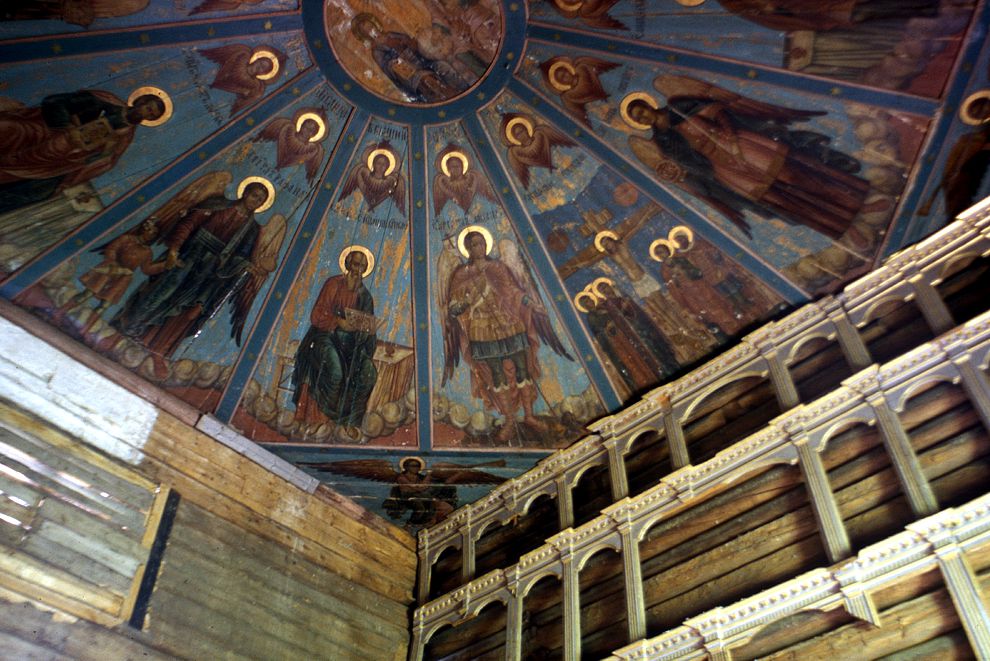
column 593, row 13
column 273, row 130
column 674, row 87
column 167, row 216
column 223, row 55
column 538, row 153
column 588, row 88
column 377, row 470
column 443, row 192
column 510, row 256
column 352, row 183
column 399, row 192
column 466, row 474
column 264, row 259
column 452, row 336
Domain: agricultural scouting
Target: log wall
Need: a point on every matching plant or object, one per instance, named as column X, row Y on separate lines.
column 157, row 540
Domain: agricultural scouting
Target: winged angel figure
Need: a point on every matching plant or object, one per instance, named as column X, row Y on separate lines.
column 529, row 145
column 739, row 154
column 492, row 315
column 593, row 13
column 297, row 140
column 216, row 253
column 455, row 180
column 429, row 495
column 378, row 177
column 576, row 81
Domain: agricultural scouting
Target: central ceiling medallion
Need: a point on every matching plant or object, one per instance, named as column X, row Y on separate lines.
column 417, row 52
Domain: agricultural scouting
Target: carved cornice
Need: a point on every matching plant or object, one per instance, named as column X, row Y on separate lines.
column 907, row 553
column 773, row 444
column 509, row 498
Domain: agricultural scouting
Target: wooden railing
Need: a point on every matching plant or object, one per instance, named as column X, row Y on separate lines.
column 909, row 275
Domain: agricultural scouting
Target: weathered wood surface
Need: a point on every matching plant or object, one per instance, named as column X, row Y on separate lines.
column 237, row 489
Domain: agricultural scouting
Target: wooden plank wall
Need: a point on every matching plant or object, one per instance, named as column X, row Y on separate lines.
column 254, row 566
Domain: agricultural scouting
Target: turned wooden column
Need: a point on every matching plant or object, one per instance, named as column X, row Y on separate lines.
column 780, row 379
column 932, row 307
column 916, row 487
column 565, row 503
column 977, row 387
column 633, row 574
column 674, row 432
column 827, row 514
column 513, row 622
column 416, row 645
column 467, row 553
column 616, row 470
column 424, row 571
column 571, row 607
column 964, row 588
column 850, row 341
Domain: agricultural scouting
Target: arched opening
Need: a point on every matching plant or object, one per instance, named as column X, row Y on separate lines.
column 818, row 367
column 647, row 460
column 964, row 288
column 869, row 497
column 530, row 530
column 728, row 415
column 895, row 327
column 490, row 549
column 543, row 630
column 480, row 638
column 603, row 605
column 591, row 494
column 446, row 572
column 952, row 444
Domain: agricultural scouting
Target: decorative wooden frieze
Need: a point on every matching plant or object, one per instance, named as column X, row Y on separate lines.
column 666, row 407
column 810, row 425
column 905, row 554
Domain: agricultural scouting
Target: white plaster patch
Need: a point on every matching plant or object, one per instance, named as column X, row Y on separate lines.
column 74, row 398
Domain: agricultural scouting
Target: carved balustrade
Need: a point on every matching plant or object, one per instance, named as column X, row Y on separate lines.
column 911, row 274
column 873, row 396
column 942, row 541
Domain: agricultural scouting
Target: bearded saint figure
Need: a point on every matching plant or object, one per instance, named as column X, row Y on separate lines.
column 69, row 139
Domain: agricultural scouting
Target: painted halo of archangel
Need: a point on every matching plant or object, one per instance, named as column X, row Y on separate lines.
column 378, row 177
column 334, row 371
column 244, row 71
column 428, row 494
column 738, row 154
column 530, row 145
column 69, row 139
column 576, row 81
column 493, row 318
column 217, row 255
column 455, row 180
column 297, row 140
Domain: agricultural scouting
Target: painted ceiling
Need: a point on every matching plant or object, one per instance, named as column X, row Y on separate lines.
column 359, row 231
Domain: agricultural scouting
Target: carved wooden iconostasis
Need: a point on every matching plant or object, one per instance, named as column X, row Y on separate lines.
column 365, row 231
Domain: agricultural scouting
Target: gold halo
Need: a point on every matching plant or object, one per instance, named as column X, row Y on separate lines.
column 271, row 57
column 636, row 96
column 459, row 155
column 569, row 6
column 690, row 3
column 474, row 228
column 382, row 152
column 402, row 462
column 582, row 295
column 686, row 232
column 964, row 113
column 512, row 124
column 322, row 131
column 603, row 234
column 554, row 68
column 264, row 182
column 368, row 255
column 598, row 282
column 669, row 245
column 161, row 94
